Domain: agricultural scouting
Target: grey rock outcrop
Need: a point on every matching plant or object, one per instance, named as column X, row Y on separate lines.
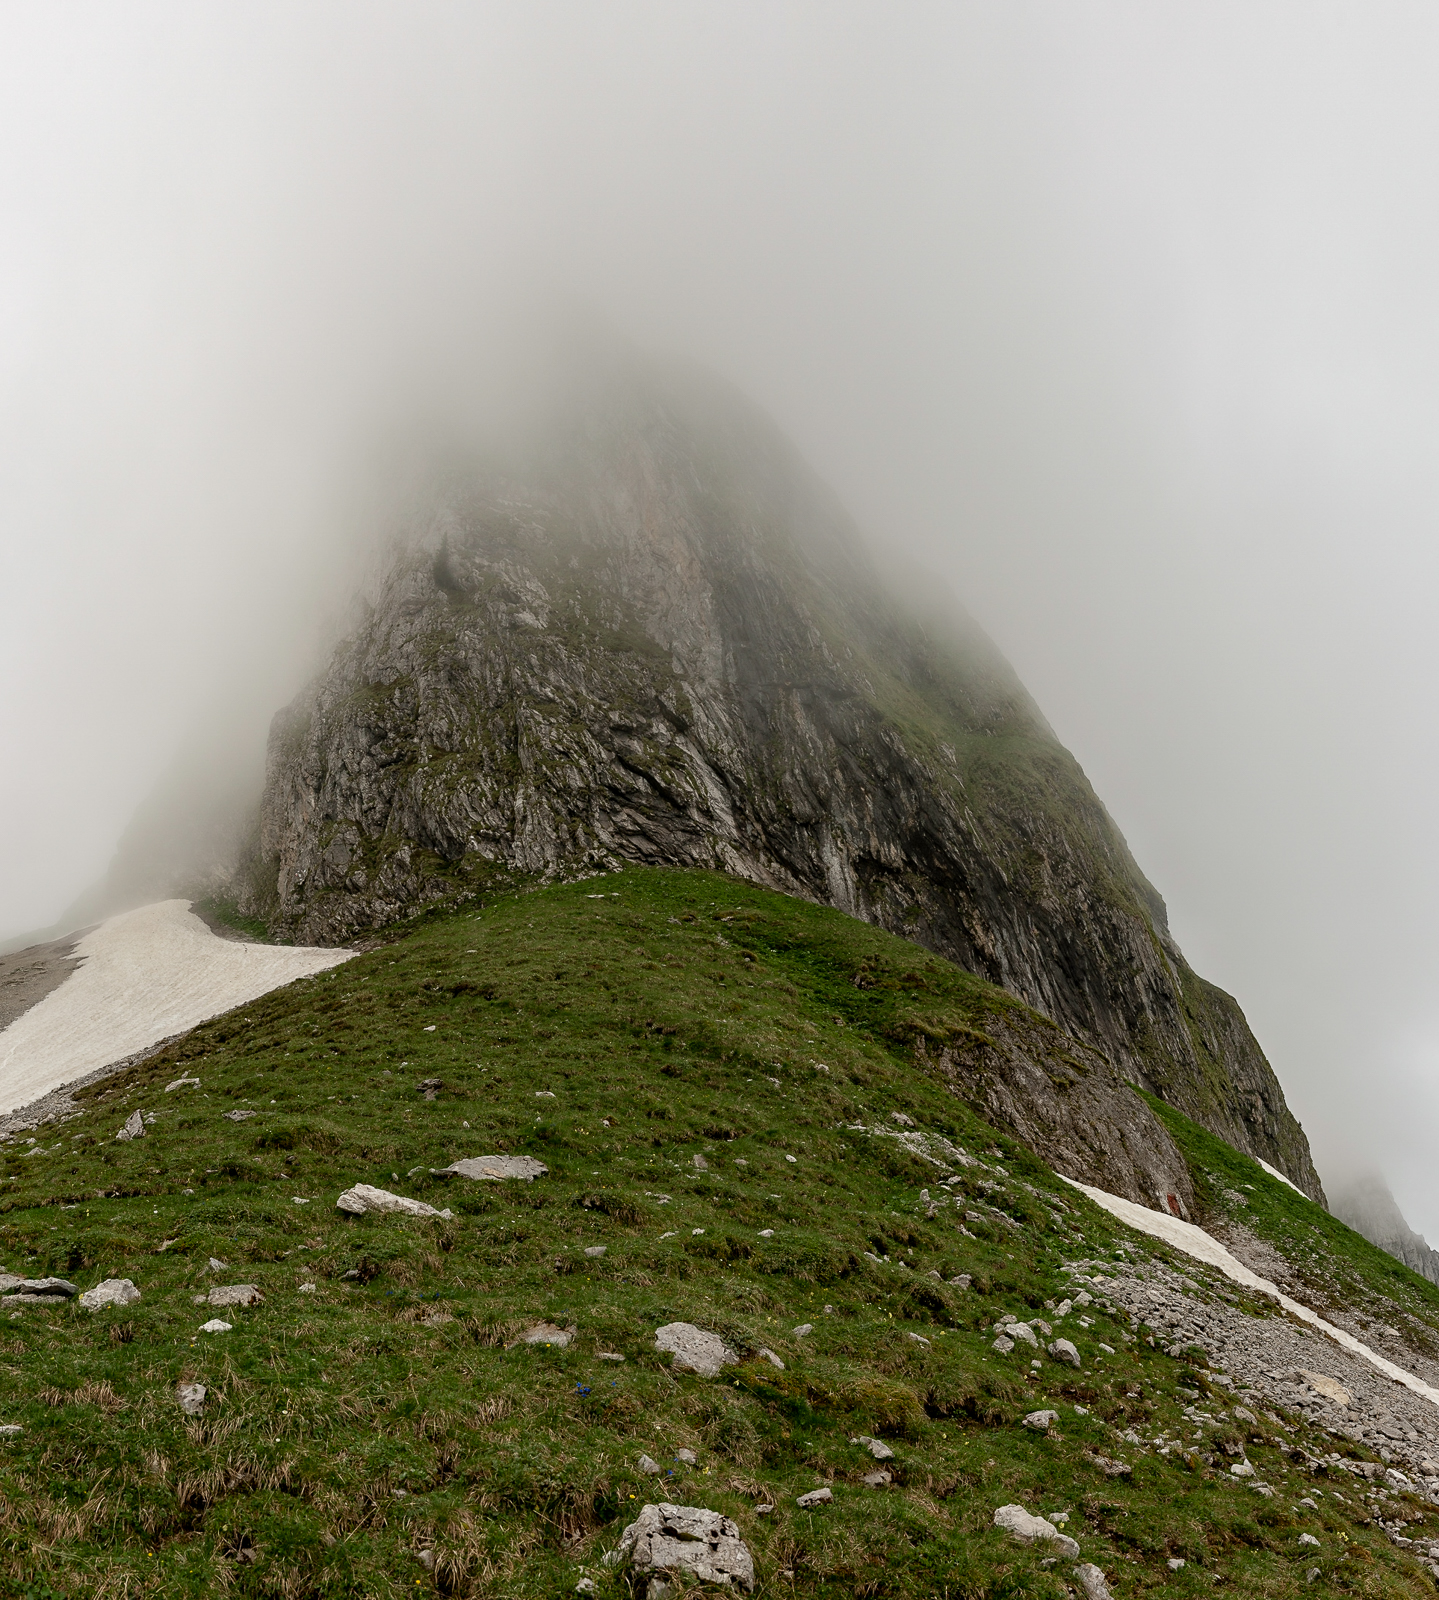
column 694, row 1349
column 496, row 1169
column 112, row 1292
column 364, row 1200
column 649, row 635
column 234, row 1294
column 690, row 1539
column 1026, row 1528
column 191, row 1397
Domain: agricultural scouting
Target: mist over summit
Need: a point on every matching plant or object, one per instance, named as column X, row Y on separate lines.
column 641, row 631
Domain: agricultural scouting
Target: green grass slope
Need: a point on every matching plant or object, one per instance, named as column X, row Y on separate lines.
column 711, row 1073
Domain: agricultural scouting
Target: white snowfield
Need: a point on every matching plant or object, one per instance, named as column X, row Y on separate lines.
column 1194, row 1241
column 144, row 976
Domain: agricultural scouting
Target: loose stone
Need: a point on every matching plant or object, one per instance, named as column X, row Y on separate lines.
column 685, row 1539
column 496, row 1169
column 112, row 1292
column 364, row 1199
column 694, row 1349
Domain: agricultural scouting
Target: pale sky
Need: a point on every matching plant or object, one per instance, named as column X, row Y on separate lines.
column 1122, row 318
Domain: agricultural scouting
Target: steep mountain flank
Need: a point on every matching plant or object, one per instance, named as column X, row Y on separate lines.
column 654, row 637
column 1368, row 1207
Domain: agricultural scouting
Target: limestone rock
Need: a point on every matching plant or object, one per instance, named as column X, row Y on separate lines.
column 234, row 1294
column 1063, row 1350
column 134, row 1128
column 687, row 1456
column 112, row 1292
column 694, row 1349
column 191, row 1397
column 214, row 1325
column 548, row 1333
column 364, row 1199
column 10, row 1430
column 804, row 1330
column 238, row 1116
column 33, row 1289
column 876, row 1447
column 594, row 1251
column 496, row 1169
column 1003, row 1345
column 816, row 1497
column 879, row 1479
column 1022, row 1330
column 766, row 1354
column 182, row 1083
column 1027, row 1528
column 692, row 1540
column 1307, row 1539
column 1093, row 1581
column 648, row 1465
column 1041, row 1421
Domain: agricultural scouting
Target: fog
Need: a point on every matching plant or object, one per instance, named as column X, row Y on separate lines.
column 1120, row 318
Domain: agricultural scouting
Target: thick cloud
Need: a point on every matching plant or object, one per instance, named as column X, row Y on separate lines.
column 1120, row 318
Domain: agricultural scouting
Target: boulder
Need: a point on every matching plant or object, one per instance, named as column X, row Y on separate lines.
column 876, row 1447
column 191, row 1397
column 694, row 1349
column 495, row 1169
column 648, row 1465
column 214, row 1325
column 1003, row 1345
column 1041, row 1421
column 1063, row 1350
column 692, row 1540
column 33, row 1289
column 234, row 1294
column 878, row 1479
column 134, row 1127
column 767, row 1354
column 238, row 1116
column 1027, row 1529
column 594, row 1251
column 112, row 1292
column 1093, row 1582
column 548, row 1333
column 816, row 1497
column 1022, row 1330
column 364, row 1199
column 804, row 1330
column 182, row 1083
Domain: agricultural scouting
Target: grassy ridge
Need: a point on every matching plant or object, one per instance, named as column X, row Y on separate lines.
column 698, row 1062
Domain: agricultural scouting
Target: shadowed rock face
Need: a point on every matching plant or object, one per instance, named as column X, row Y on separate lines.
column 655, row 638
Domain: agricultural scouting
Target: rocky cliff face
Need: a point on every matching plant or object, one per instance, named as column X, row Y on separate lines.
column 1368, row 1207
column 654, row 637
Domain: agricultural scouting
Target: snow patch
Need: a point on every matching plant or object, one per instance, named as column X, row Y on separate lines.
column 1275, row 1173
column 143, row 976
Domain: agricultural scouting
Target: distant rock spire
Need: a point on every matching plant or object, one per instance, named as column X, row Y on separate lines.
column 1368, row 1207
